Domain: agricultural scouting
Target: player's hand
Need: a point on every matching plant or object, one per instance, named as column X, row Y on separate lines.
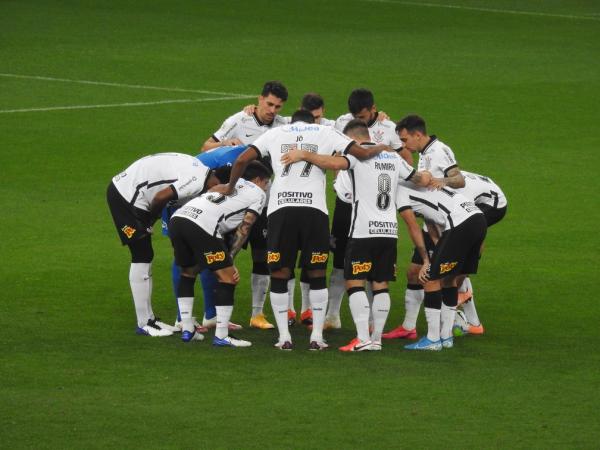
column 233, row 142
column 424, row 273
column 436, row 183
column 426, row 177
column 249, row 109
column 381, row 116
column 292, row 156
column 236, row 274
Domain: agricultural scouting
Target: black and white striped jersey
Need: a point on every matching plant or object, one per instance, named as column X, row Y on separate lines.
column 218, row 214
column 380, row 131
column 437, row 158
column 301, row 183
column 374, row 185
column 483, row 190
column 142, row 180
column 246, row 128
column 446, row 207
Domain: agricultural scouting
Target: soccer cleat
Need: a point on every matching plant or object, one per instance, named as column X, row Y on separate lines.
column 189, row 336
column 260, row 321
column 448, row 342
column 287, row 345
column 400, row 333
column 332, row 323
column 375, row 346
column 230, row 341
column 165, row 326
column 212, row 323
column 317, row 345
column 477, row 330
column 464, row 297
column 425, row 344
column 291, row 318
column 306, row 318
column 199, row 328
column 151, row 329
column 356, row 345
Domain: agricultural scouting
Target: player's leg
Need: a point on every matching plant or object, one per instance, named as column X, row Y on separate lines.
column 306, row 317
column 448, row 311
column 259, row 279
column 413, row 298
column 383, row 254
column 291, row 291
column 228, row 278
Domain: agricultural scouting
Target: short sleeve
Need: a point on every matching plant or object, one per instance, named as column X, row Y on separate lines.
column 227, row 129
column 191, row 181
column 262, row 143
column 406, row 170
column 443, row 159
column 335, row 140
column 259, row 203
column 402, row 198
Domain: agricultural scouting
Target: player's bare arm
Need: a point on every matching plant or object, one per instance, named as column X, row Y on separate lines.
column 323, row 161
column 415, row 233
column 249, row 109
column 212, row 143
column 421, row 178
column 454, row 179
column 362, row 153
column 250, row 154
column 434, row 231
column 160, row 200
column 242, row 232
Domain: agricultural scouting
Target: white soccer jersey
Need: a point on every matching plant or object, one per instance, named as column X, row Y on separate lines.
column 436, row 158
column 142, row 180
column 483, row 190
column 446, row 207
column 301, row 183
column 245, row 128
column 380, row 132
column 374, row 188
column 324, row 121
column 218, row 214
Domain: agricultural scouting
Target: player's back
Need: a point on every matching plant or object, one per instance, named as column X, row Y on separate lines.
column 483, row 190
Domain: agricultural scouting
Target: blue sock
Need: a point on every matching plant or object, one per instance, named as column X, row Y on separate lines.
column 209, row 284
column 175, row 274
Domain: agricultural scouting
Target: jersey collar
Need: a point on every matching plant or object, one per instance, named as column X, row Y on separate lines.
column 432, row 139
column 260, row 122
column 373, row 120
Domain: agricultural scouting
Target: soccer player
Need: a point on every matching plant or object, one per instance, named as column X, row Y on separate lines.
column 456, row 252
column 438, row 159
column 136, row 198
column 242, row 128
column 488, row 197
column 371, row 251
column 298, row 213
column 197, row 230
column 361, row 105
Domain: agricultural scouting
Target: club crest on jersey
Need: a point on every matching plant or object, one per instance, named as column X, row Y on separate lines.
column 319, row 258
column 378, row 136
column 273, row 257
column 128, row 231
column 359, row 267
column 447, row 267
column 213, row 257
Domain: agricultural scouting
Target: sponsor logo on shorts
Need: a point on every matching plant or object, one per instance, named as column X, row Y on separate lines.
column 447, row 267
column 214, row 257
column 273, row 257
column 359, row 267
column 128, row 231
column 319, row 258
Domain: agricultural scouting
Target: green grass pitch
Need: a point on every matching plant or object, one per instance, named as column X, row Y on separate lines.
column 512, row 86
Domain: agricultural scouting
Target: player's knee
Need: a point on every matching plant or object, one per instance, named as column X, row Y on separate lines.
column 141, row 251
column 317, row 283
column 412, row 274
column 227, row 276
column 433, row 300
column 279, row 285
column 354, row 290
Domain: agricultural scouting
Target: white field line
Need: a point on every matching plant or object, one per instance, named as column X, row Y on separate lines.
column 122, row 105
column 489, row 10
column 131, row 86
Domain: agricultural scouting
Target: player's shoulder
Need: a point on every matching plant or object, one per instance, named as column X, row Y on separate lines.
column 386, row 124
column 279, row 121
column 327, row 122
column 342, row 120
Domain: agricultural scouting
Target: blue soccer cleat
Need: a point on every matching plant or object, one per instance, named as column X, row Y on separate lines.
column 189, row 336
column 230, row 341
column 425, row 344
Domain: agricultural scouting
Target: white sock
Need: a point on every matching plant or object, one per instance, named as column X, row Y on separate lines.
column 464, row 286
column 433, row 323
column 380, row 311
column 369, row 291
column 447, row 320
column 469, row 307
column 279, row 303
column 260, row 284
column 151, row 284
column 291, row 288
column 305, row 288
column 223, row 316
column 412, row 303
column 141, row 288
column 336, row 291
column 359, row 307
column 318, row 302
column 186, row 307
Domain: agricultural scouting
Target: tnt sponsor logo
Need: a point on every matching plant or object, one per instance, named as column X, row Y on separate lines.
column 447, row 267
column 319, row 258
column 273, row 257
column 359, row 267
column 128, row 231
column 214, row 257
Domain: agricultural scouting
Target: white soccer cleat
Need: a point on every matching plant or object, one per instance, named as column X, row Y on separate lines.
column 375, row 346
column 151, row 329
column 230, row 341
column 164, row 326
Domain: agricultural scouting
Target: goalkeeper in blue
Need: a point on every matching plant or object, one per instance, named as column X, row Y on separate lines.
column 220, row 160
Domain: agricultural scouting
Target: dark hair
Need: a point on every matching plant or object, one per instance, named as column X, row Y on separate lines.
column 411, row 124
column 302, row 115
column 256, row 169
column 275, row 88
column 360, row 99
column 357, row 127
column 223, row 173
column 312, row 101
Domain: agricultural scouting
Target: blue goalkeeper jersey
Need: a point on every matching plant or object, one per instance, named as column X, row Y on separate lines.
column 213, row 159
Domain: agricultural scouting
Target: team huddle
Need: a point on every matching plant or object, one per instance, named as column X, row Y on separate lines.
column 261, row 181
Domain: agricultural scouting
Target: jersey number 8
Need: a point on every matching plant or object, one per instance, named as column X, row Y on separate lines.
column 384, row 185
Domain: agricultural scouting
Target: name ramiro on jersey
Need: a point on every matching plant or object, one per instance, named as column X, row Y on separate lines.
column 294, row 197
column 385, row 166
